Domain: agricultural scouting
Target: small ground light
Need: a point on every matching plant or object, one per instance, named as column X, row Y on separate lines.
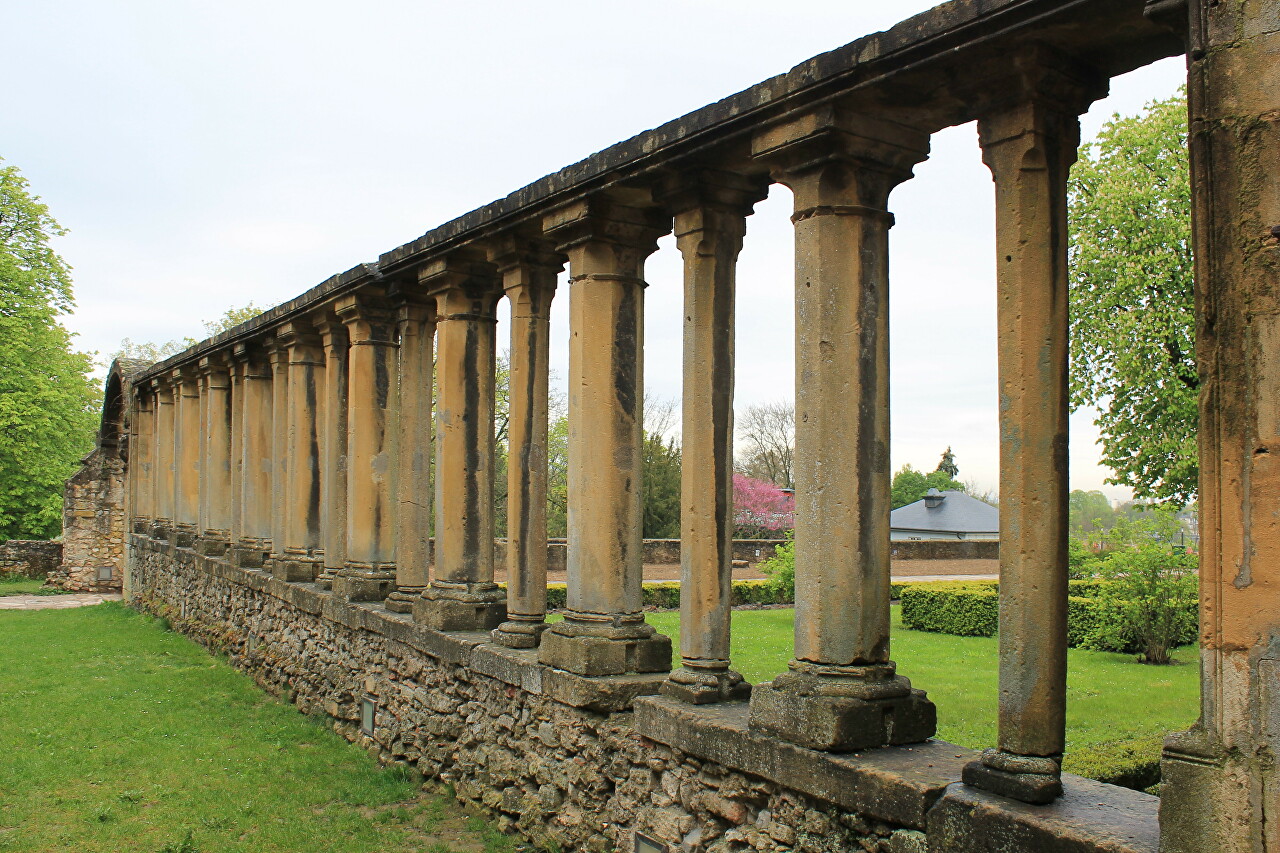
column 644, row 844
column 105, row 573
column 368, row 713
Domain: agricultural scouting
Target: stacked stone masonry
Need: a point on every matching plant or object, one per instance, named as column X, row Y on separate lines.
column 342, row 444
column 29, row 558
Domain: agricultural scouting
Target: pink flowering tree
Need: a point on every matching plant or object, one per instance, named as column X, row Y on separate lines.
column 761, row 510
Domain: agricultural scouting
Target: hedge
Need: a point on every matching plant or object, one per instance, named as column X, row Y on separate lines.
column 971, row 609
column 665, row 595
column 1132, row 763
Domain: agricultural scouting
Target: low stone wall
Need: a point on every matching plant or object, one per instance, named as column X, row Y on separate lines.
column 586, row 764
column 29, row 558
column 945, row 549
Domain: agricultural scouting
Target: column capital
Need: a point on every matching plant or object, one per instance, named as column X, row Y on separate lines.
column 414, row 308
column 369, row 317
column 827, row 136
column 332, row 330
column 600, row 218
column 1040, row 92
column 186, row 381
column 512, row 251
column 693, row 191
column 214, row 370
column 298, row 340
column 464, row 283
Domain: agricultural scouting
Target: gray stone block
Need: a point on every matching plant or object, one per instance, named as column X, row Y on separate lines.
column 841, row 724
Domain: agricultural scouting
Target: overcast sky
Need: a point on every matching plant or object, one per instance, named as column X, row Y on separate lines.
column 204, row 155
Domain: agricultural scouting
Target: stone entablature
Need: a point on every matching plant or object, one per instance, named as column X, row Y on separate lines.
column 555, row 757
column 29, row 558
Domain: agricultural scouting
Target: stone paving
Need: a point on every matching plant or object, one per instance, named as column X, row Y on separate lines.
column 56, row 602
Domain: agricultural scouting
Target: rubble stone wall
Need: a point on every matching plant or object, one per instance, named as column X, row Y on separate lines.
column 29, row 558
column 570, row 764
column 93, row 524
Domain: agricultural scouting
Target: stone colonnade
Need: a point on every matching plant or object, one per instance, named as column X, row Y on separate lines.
column 348, row 438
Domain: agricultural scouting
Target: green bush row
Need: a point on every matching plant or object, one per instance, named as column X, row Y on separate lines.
column 1132, row 763
column 971, row 609
column 665, row 595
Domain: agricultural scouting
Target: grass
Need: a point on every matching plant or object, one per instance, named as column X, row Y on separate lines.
column 11, row 585
column 1110, row 697
column 121, row 736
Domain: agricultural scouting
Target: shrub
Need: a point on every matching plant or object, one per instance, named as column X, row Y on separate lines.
column 781, row 567
column 1147, row 602
column 964, row 608
column 761, row 510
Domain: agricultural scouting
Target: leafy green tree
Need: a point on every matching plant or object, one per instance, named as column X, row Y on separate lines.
column 1132, row 317
column 47, row 401
column 661, row 486
column 1088, row 513
column 148, row 351
column 948, row 464
column 910, row 485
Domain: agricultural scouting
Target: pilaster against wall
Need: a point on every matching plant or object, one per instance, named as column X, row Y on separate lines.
column 215, row 480
column 256, row 462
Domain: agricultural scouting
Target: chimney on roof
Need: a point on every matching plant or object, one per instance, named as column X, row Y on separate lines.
column 933, row 498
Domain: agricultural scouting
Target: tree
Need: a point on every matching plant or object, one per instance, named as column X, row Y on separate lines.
column 761, row 510
column 47, row 401
column 148, row 351
column 909, row 485
column 1089, row 512
column 768, row 438
column 948, row 464
column 660, row 471
column 1132, row 313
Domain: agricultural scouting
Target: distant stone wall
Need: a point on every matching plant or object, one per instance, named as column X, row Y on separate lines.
column 583, row 764
column 29, row 558
column 93, row 525
column 944, row 549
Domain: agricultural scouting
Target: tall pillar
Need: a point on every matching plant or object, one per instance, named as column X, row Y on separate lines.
column 278, row 353
column 842, row 692
column 186, row 457
column 299, row 560
column 162, row 459
column 1029, row 146
column 142, row 461
column 257, row 457
column 604, row 631
column 333, row 479
column 462, row 595
column 710, row 210
column 416, row 322
column 1221, row 786
column 215, row 473
column 236, row 370
column 529, row 271
column 369, row 573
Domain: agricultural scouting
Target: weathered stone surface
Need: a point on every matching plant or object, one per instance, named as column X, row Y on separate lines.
column 29, row 558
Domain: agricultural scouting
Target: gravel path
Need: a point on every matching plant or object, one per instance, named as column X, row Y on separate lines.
column 56, row 602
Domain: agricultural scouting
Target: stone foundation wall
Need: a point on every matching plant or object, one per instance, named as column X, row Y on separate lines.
column 585, row 764
column 93, row 525
column 29, row 558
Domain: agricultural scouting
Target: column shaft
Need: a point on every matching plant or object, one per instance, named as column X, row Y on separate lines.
column 215, row 480
column 417, row 326
column 257, row 461
column 462, row 594
column 142, row 462
column 333, row 480
column 303, row 415
column 162, row 460
column 604, row 631
column 279, row 356
column 841, row 691
column 186, row 468
column 236, row 517
column 369, row 571
column 529, row 279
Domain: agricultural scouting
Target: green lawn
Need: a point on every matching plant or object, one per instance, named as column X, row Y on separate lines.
column 1110, row 697
column 121, row 736
column 24, row 586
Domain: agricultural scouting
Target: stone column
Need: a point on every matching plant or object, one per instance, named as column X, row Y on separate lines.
column 1030, row 146
column 1221, row 787
column 462, row 595
column 369, row 573
column 529, row 271
column 299, row 561
column 142, row 461
column 186, row 457
column 215, row 473
column 417, row 329
column 604, row 631
column 710, row 210
column 278, row 354
column 841, row 691
column 333, row 479
column 257, row 460
column 236, row 370
column 162, row 459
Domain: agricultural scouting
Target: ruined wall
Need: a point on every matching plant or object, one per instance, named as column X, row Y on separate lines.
column 556, row 758
column 93, row 524
column 29, row 558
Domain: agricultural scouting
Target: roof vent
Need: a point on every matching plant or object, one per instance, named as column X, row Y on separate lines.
column 933, row 498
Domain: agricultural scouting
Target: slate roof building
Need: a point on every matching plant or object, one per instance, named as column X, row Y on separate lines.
column 945, row 515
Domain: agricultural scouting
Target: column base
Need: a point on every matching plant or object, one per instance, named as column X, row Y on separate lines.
column 364, row 584
column 293, row 568
column 325, row 579
column 142, row 526
column 1030, row 779
column 182, row 536
column 518, row 633
column 615, row 645
column 699, row 686
column 842, row 708
column 248, row 555
column 212, row 546
column 403, row 599
column 160, row 529
column 461, row 607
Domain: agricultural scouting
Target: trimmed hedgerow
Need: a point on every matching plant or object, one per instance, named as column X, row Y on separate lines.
column 665, row 595
column 1132, row 763
column 964, row 608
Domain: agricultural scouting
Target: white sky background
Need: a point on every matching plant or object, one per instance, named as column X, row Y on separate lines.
column 206, row 154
